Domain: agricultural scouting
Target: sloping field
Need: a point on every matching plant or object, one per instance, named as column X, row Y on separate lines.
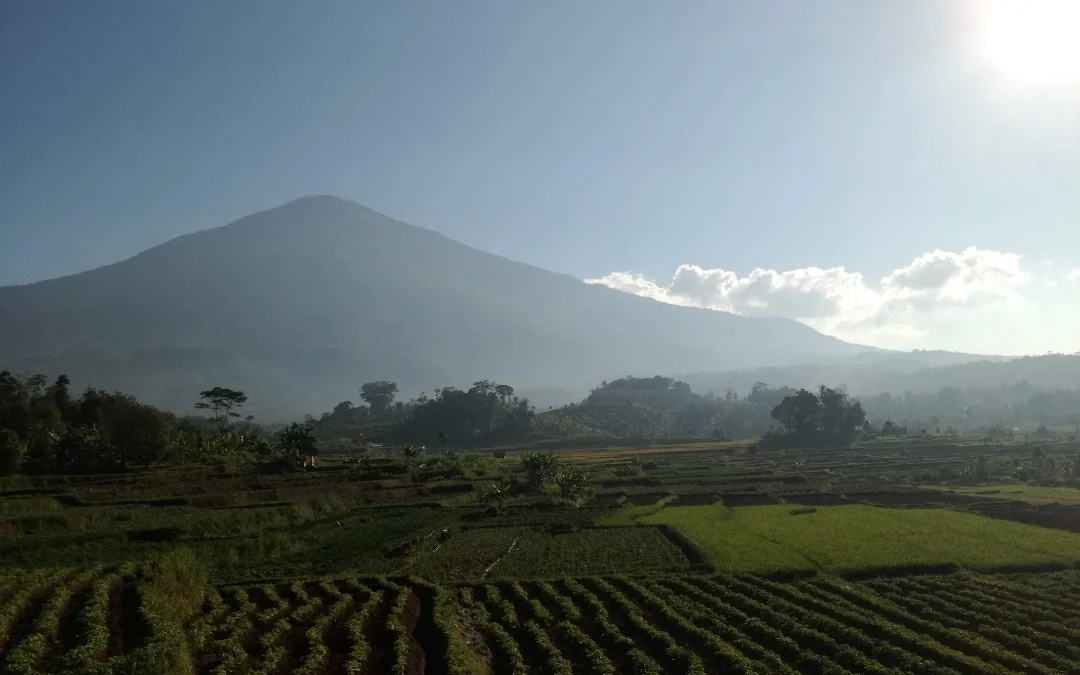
column 98, row 621
column 854, row 539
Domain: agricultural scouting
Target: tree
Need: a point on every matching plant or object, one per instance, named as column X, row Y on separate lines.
column 505, row 392
column 140, row 433
column 539, row 467
column 497, row 495
column 826, row 418
column 221, row 401
column 60, row 393
column 85, row 449
column 296, row 443
column 572, row 482
column 379, row 395
column 12, row 452
column 409, row 453
column 799, row 415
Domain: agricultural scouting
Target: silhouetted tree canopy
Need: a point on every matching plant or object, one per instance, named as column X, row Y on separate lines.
column 379, row 395
column 221, row 401
column 827, row 418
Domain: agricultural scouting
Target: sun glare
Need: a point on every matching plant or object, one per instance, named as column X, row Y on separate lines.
column 1032, row 42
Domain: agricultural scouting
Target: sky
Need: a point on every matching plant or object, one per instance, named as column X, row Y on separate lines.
column 902, row 174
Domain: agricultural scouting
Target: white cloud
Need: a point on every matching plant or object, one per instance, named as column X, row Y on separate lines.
column 841, row 302
column 1073, row 276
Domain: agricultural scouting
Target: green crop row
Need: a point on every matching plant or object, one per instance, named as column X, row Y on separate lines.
column 272, row 640
column 360, row 647
column 397, row 629
column 93, row 627
column 982, row 619
column 25, row 657
column 895, row 646
column 1045, row 623
column 672, row 649
column 717, row 624
column 317, row 650
column 940, row 645
column 639, row 660
column 228, row 651
column 31, row 586
column 724, row 653
column 818, row 639
column 556, row 663
column 277, row 606
column 508, row 655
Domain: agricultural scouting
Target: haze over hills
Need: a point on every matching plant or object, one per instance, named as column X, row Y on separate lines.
column 897, row 373
column 301, row 304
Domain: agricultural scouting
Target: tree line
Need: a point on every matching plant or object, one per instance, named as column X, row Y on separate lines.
column 45, row 428
column 487, row 412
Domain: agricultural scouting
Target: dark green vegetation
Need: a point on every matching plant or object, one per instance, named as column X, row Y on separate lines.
column 885, row 557
column 666, row 408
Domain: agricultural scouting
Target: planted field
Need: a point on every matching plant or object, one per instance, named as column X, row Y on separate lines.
column 531, row 553
column 855, row 538
column 98, row 621
column 1032, row 494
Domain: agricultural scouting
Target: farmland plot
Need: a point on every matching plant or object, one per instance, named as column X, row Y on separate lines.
column 858, row 539
column 97, row 621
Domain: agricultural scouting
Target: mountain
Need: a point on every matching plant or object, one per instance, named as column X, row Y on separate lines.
column 301, row 304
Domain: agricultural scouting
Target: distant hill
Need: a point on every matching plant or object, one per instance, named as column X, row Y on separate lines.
column 917, row 372
column 301, row 304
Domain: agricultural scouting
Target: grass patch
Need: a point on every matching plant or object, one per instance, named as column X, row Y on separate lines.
column 856, row 538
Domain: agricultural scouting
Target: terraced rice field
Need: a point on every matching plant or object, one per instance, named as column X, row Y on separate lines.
column 97, row 621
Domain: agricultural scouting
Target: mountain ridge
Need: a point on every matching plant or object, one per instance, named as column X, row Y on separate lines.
column 320, row 294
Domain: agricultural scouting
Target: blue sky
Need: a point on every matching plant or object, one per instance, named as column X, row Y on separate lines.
column 600, row 137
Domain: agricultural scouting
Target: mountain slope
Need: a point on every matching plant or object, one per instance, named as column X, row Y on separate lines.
column 302, row 303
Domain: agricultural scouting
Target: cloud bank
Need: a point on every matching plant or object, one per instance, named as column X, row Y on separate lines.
column 890, row 312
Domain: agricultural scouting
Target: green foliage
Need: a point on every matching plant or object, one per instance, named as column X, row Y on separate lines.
column 825, row 419
column 573, row 484
column 12, row 452
column 379, row 395
column 409, row 454
column 221, row 401
column 486, row 413
column 140, row 433
column 661, row 407
column 539, row 468
column 99, row 432
column 296, row 443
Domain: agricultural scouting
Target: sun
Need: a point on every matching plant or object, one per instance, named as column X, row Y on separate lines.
column 1031, row 42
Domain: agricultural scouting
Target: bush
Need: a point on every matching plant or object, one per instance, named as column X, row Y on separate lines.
column 12, row 452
